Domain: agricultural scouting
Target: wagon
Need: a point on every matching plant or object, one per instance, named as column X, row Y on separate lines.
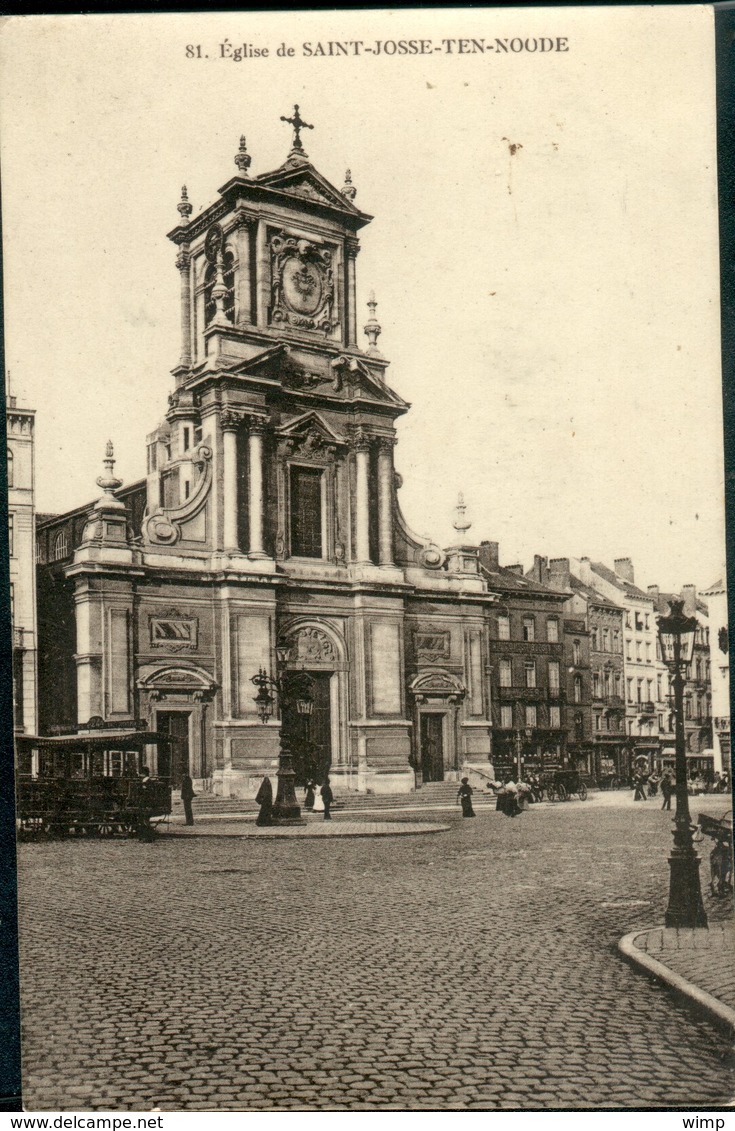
column 91, row 783
column 559, row 785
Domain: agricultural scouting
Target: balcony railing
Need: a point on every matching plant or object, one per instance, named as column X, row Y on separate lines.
column 524, row 694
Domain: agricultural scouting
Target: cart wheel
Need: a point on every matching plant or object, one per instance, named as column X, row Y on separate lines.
column 562, row 791
column 583, row 792
column 550, row 791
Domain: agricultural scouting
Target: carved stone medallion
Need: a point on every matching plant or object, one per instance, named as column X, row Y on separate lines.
column 302, row 284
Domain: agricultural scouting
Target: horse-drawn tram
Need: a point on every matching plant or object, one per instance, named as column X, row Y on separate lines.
column 94, row 782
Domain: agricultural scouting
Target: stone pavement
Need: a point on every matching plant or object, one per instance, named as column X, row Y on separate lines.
column 699, row 964
column 473, row 970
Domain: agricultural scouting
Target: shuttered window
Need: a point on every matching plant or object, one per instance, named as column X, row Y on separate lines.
column 306, row 512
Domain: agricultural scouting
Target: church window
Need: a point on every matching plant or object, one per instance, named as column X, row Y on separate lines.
column 503, row 627
column 61, row 546
column 187, row 438
column 10, row 469
column 552, row 630
column 306, row 512
column 530, row 714
column 529, row 628
column 210, row 279
column 505, row 671
column 506, row 716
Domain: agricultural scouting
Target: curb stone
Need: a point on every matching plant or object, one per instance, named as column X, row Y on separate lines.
column 716, row 1010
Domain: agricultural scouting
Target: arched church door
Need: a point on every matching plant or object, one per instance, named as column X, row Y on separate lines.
column 310, row 736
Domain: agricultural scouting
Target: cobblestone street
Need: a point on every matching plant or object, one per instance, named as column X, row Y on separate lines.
column 474, row 968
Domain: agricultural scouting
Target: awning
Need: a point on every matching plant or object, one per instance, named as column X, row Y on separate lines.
column 98, row 739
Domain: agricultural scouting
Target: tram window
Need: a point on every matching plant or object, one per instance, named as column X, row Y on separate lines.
column 116, row 763
column 98, row 767
column 131, row 764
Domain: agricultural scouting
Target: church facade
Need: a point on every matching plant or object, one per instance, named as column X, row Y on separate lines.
column 270, row 516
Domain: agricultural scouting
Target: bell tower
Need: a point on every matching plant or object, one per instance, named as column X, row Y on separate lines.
column 275, row 404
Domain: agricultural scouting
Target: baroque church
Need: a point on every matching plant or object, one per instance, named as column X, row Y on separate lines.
column 269, row 516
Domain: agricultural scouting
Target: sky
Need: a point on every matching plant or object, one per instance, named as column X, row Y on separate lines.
column 544, row 250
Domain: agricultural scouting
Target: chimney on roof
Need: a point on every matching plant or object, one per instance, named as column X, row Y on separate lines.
column 653, row 591
column 689, row 595
column 624, row 569
column 585, row 571
column 490, row 555
column 540, row 570
column 517, row 569
column 559, row 572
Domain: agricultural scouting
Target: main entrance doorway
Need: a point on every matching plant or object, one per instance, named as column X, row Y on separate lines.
column 431, row 736
column 310, row 736
column 173, row 756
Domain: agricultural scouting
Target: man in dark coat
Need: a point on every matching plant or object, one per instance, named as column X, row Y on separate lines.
column 327, row 798
column 667, row 788
column 187, row 794
column 264, row 798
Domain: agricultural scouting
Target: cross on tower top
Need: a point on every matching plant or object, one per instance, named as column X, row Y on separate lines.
column 298, row 125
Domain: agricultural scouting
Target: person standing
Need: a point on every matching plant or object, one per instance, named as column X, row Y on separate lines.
column 264, row 798
column 464, row 796
column 309, row 795
column 667, row 788
column 187, row 796
column 318, row 806
column 640, row 787
column 327, row 798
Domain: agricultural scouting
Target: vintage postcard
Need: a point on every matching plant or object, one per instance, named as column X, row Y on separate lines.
column 367, row 561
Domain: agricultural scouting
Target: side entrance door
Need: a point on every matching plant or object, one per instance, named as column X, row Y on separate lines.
column 173, row 756
column 431, row 735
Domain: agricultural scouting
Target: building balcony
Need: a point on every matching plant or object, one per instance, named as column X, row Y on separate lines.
column 647, row 707
column 522, row 694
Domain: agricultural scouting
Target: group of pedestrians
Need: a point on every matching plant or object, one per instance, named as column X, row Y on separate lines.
column 317, row 799
column 647, row 785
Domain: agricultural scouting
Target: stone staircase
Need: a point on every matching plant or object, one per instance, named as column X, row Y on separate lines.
column 430, row 795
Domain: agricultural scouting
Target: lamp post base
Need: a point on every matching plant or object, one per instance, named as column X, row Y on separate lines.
column 685, row 893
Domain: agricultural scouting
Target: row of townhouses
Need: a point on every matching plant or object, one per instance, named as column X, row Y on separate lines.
column 270, row 515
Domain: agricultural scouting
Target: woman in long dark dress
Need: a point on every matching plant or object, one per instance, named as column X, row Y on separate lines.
column 309, row 794
column 264, row 798
column 464, row 796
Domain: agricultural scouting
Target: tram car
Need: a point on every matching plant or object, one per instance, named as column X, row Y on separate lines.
column 94, row 782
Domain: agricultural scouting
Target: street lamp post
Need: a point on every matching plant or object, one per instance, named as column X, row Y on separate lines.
column 291, row 688
column 676, row 633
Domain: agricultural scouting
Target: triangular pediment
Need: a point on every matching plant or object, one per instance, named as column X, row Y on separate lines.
column 304, row 181
column 307, row 424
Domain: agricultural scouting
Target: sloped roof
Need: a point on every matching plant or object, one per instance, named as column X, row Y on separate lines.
column 591, row 593
column 503, row 578
column 620, row 583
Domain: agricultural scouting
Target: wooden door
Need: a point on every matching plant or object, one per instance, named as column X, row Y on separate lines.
column 310, row 736
column 432, row 747
column 173, row 756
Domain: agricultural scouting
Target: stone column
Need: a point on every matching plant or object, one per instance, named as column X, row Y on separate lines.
column 183, row 262
column 385, row 500
column 230, row 422
column 243, row 302
column 352, row 248
column 262, row 281
column 256, row 502
column 362, row 497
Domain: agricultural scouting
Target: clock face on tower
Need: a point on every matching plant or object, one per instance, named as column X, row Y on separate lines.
column 302, row 284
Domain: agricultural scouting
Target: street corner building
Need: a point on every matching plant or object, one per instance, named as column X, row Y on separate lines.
column 269, row 514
